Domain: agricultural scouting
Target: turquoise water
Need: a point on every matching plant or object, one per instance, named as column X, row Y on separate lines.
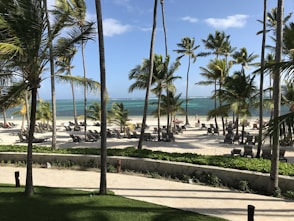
column 198, row 105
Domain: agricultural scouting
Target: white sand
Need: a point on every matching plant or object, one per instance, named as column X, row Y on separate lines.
column 194, row 139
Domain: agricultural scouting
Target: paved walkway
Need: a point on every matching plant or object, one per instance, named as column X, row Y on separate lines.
column 218, row 202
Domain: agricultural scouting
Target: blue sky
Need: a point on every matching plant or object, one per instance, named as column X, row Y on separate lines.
column 127, row 33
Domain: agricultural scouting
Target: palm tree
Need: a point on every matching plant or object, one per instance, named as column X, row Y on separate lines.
column 240, row 94
column 175, row 103
column 64, row 63
column 262, row 64
column 119, row 115
column 215, row 73
column 22, row 31
column 76, row 10
column 274, row 178
column 187, row 48
column 162, row 79
column 52, row 76
column 219, row 45
column 151, row 59
column 25, row 45
column 103, row 185
column 242, row 57
column 94, row 111
column 44, row 113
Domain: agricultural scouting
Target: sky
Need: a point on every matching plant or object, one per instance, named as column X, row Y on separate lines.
column 127, row 34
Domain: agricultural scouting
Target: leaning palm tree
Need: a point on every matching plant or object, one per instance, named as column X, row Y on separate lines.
column 103, row 185
column 151, row 59
column 22, row 31
column 187, row 48
column 24, row 43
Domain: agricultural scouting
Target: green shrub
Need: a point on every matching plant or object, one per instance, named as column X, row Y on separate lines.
column 244, row 186
column 289, row 194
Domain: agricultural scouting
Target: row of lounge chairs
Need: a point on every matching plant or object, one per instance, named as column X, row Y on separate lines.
column 24, row 138
column 266, row 153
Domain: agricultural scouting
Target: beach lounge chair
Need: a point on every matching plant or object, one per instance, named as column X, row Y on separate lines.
column 249, row 140
column 91, row 138
column 209, row 131
column 35, row 140
column 266, row 154
column 215, row 131
column 203, row 126
column 236, row 152
column 75, row 138
column 22, row 138
column 248, row 151
column 94, row 134
column 282, row 156
column 148, row 137
column 236, row 138
column 228, row 138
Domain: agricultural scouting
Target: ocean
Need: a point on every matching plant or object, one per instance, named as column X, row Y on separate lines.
column 196, row 105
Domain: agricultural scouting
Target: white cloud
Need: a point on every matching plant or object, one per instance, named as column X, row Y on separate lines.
column 189, row 19
column 113, row 27
column 234, row 21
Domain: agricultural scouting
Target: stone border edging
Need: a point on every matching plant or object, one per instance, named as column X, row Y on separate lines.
column 229, row 177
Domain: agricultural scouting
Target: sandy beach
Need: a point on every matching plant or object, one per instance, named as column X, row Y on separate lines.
column 194, row 139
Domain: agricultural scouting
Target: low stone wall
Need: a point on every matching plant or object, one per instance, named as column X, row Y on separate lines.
column 230, row 177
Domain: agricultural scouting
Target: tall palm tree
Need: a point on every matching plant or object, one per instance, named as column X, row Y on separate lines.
column 52, row 76
column 262, row 64
column 22, row 31
column 25, row 45
column 64, row 63
column 215, row 73
column 219, row 45
column 76, row 10
column 274, row 178
column 151, row 59
column 103, row 180
column 187, row 48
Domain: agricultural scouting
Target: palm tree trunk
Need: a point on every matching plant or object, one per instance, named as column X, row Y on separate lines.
column 85, row 91
column 151, row 59
column 187, row 89
column 74, row 103
column 261, row 80
column 158, row 115
column 103, row 186
column 29, row 189
column 166, row 54
column 53, row 96
column 274, row 178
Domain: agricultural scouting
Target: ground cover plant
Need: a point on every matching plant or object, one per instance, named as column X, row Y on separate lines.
column 70, row 205
column 241, row 163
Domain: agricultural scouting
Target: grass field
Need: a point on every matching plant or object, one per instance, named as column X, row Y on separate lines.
column 54, row 204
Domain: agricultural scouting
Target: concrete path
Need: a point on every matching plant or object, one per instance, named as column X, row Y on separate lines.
column 212, row 201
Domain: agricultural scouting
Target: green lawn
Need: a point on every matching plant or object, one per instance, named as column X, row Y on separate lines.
column 56, row 204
